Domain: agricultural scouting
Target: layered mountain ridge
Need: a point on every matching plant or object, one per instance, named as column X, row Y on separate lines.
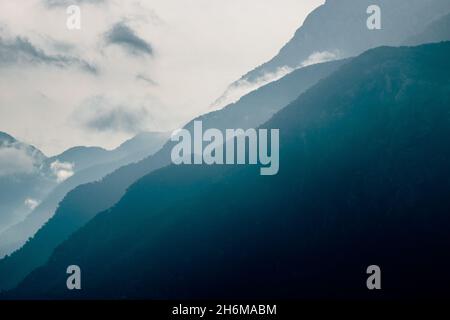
column 338, row 29
column 363, row 179
column 85, row 201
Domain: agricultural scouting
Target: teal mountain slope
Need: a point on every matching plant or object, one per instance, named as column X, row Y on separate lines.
column 339, row 28
column 85, row 201
column 363, row 180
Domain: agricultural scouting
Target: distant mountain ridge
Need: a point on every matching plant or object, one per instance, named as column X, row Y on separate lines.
column 90, row 164
column 86, row 201
column 6, row 138
column 27, row 175
column 81, row 156
column 436, row 31
column 23, row 176
column 338, row 29
column 91, row 225
column 363, row 180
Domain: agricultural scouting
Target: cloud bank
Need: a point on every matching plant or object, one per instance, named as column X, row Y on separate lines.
column 243, row 87
column 62, row 170
column 19, row 50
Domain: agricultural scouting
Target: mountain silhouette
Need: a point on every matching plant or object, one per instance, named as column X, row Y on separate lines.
column 85, row 201
column 338, row 29
column 363, row 180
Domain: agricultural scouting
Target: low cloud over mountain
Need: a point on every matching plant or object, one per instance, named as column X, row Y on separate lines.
column 15, row 161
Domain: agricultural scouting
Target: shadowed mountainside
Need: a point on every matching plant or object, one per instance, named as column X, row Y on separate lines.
column 85, row 201
column 363, row 180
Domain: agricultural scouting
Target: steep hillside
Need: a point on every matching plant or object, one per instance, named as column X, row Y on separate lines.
column 338, row 29
column 85, row 201
column 363, row 180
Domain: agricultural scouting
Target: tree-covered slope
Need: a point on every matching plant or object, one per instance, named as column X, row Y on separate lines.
column 85, row 201
column 363, row 180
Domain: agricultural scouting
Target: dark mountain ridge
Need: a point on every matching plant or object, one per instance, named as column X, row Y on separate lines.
column 85, row 201
column 363, row 180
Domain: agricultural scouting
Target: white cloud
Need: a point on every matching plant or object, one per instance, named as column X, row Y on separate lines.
column 31, row 203
column 243, row 87
column 320, row 57
column 62, row 170
column 15, row 161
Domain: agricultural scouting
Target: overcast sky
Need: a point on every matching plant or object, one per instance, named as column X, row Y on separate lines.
column 134, row 65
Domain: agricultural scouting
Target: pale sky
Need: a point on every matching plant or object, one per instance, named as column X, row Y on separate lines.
column 134, row 65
